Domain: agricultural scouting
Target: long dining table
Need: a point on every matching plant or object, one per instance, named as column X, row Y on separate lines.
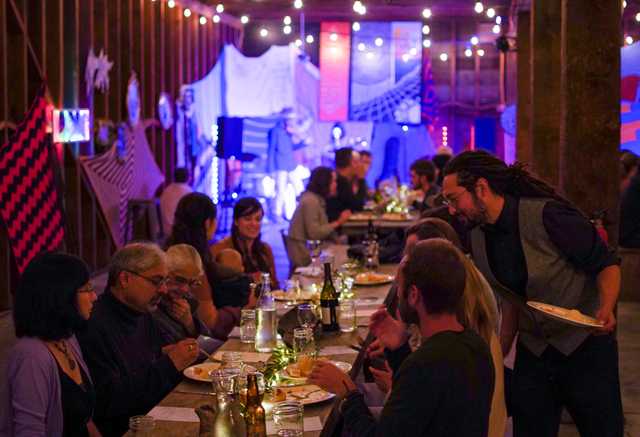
column 337, row 346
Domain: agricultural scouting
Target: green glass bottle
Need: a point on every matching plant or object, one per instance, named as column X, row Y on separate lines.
column 329, row 302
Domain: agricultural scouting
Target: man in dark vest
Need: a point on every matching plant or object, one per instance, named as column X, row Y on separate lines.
column 533, row 245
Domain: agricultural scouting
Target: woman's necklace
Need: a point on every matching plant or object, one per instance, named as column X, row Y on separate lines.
column 65, row 350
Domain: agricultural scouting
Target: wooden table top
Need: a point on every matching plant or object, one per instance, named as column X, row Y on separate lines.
column 191, row 394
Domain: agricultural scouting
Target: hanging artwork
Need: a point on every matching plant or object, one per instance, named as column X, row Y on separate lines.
column 165, row 111
column 96, row 73
column 133, row 99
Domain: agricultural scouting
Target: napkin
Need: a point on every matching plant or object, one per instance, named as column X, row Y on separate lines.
column 174, row 414
column 310, row 424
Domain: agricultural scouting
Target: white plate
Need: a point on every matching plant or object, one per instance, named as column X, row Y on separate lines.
column 307, row 394
column 345, row 367
column 379, row 279
column 200, row 372
column 573, row 317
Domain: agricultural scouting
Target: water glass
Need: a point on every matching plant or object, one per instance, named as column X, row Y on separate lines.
column 314, row 252
column 288, row 419
column 142, row 425
column 224, row 380
column 347, row 287
column 303, row 342
column 307, row 315
column 247, row 326
column 232, row 360
column 292, row 287
column 347, row 316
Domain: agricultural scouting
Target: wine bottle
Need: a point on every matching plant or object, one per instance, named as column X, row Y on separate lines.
column 329, row 302
column 254, row 415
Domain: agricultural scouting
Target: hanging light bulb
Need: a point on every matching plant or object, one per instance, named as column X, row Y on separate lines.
column 629, row 40
column 480, row 52
column 491, row 12
column 309, row 39
column 187, row 12
column 444, row 57
column 413, row 51
column 468, row 53
column 171, row 4
column 498, row 19
column 216, row 18
column 378, row 42
column 496, row 29
column 298, row 4
column 355, row 26
column 264, row 32
column 362, row 47
column 286, row 30
column 479, row 7
column 244, row 19
column 203, row 20
column 426, row 30
column 426, row 43
column 333, row 37
column 220, row 8
column 474, row 40
column 426, row 13
column 298, row 42
column 287, row 20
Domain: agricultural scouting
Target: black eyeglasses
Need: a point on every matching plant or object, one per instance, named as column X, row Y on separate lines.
column 193, row 283
column 157, row 282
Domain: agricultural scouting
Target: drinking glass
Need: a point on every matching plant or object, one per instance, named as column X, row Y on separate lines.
column 307, row 316
column 303, row 342
column 347, row 316
column 247, row 326
column 232, row 360
column 142, row 425
column 314, row 253
column 288, row 419
column 347, row 287
column 224, row 380
column 292, row 287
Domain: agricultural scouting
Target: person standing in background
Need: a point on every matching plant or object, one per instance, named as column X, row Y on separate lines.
column 347, row 169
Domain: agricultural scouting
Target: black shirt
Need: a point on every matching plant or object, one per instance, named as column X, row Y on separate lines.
column 444, row 388
column 630, row 214
column 78, row 402
column 570, row 231
column 345, row 199
column 122, row 348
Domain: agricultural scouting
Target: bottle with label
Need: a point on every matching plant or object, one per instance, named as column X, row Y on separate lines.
column 254, row 415
column 329, row 302
column 266, row 331
column 371, row 248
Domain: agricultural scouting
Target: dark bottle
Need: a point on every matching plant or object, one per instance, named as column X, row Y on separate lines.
column 329, row 302
column 254, row 415
column 372, row 235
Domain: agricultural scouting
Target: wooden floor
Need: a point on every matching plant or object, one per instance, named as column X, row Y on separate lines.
column 628, row 338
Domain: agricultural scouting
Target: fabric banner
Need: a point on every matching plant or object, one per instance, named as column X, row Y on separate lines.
column 117, row 179
column 30, row 204
column 256, row 87
column 207, row 99
column 335, row 45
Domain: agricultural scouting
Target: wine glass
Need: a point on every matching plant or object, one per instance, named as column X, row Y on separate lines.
column 307, row 316
column 314, row 252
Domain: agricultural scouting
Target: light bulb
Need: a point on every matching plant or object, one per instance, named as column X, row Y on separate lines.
column 426, row 30
column 362, row 47
column 203, row 20
column 171, row 4
column 298, row 4
column 444, row 57
column 638, row 16
column 216, row 18
column 286, row 30
column 187, row 12
column 413, row 51
column 498, row 19
column 426, row 43
column 468, row 53
column 491, row 12
column 480, row 52
column 309, row 39
column 355, row 26
column 244, row 19
column 287, row 20
column 264, row 32
column 628, row 40
column 426, row 13
column 474, row 40
column 496, row 29
column 298, row 42
column 378, row 42
column 479, row 7
column 220, row 8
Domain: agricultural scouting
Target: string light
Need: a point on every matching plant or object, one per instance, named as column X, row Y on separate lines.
column 215, row 177
column 378, row 42
column 628, row 39
column 264, row 32
column 220, row 8
column 187, row 12
column 479, row 7
column 624, row 3
column 287, row 20
column 355, row 26
column 426, row 30
column 426, row 43
column 171, row 4
column 298, row 4
column 362, row 47
column 203, row 20
column 309, row 39
column 405, row 128
column 491, row 12
column 498, row 19
column 480, row 52
column 359, row 8
column 413, row 51
column 468, row 53
column 445, row 136
column 444, row 57
column 638, row 16
column 496, row 29
column 244, row 19
column 405, row 57
column 370, row 55
column 333, row 37
column 216, row 18
column 474, row 40
column 286, row 30
column 426, row 13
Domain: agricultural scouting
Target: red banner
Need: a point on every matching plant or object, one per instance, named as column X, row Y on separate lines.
column 335, row 47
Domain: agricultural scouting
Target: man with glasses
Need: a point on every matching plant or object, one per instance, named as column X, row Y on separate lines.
column 132, row 365
column 176, row 315
column 533, row 245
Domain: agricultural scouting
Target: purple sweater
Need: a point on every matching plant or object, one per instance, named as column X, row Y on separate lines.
column 30, row 404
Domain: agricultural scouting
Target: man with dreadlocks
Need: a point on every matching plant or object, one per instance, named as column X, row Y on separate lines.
column 532, row 244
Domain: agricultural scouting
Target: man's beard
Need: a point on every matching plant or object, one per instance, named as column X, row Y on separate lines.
column 478, row 216
column 407, row 313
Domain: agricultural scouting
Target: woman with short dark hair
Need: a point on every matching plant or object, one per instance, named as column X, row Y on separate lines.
column 309, row 221
column 49, row 389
